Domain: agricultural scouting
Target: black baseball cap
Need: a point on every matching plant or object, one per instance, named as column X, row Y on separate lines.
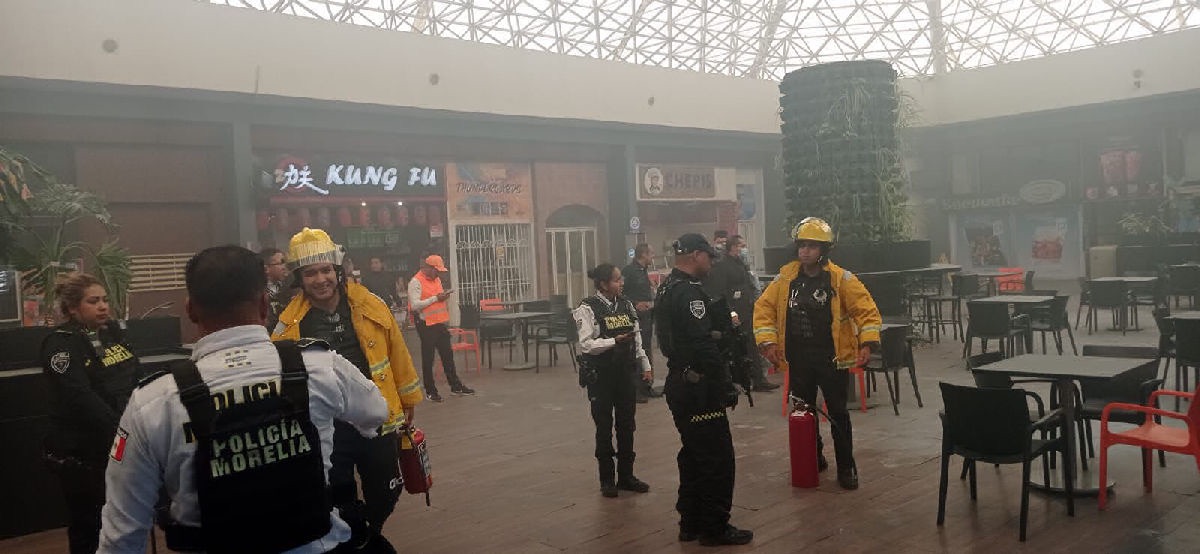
column 693, row 242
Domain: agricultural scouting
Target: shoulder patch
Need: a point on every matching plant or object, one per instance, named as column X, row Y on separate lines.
column 60, row 361
column 698, row 309
column 150, row 378
column 307, row 343
column 117, row 452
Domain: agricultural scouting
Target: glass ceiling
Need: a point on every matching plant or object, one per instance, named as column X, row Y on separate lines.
column 767, row 38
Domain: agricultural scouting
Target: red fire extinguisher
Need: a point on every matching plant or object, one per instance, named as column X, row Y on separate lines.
column 802, row 443
column 414, row 462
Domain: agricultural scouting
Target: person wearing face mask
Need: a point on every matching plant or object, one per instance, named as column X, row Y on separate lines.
column 91, row 372
column 611, row 342
column 730, row 279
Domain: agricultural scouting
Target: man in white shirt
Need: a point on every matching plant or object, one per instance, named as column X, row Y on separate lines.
column 158, row 440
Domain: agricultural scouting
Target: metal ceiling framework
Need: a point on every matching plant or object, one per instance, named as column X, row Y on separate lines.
column 767, row 38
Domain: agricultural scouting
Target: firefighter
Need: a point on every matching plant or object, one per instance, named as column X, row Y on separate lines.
column 699, row 390
column 360, row 327
column 238, row 436
column 611, row 343
column 91, row 371
column 819, row 320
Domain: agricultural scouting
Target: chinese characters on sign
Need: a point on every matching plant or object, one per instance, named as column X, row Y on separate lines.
column 296, row 175
column 667, row 182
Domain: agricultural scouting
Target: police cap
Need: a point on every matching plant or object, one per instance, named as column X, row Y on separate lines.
column 693, row 242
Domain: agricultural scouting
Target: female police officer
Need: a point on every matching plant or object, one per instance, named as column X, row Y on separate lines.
column 611, row 343
column 91, row 371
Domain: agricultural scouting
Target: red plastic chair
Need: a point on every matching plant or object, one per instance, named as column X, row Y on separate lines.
column 1151, row 436
column 490, row 305
column 1011, row 283
column 466, row 340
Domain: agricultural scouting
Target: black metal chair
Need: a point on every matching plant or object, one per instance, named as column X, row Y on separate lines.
column 558, row 330
column 1053, row 319
column 993, row 426
column 895, row 354
column 1184, row 281
column 1085, row 299
column 1166, row 339
column 990, row 320
column 1113, row 295
column 962, row 287
column 1133, row 387
column 1187, row 354
column 492, row 332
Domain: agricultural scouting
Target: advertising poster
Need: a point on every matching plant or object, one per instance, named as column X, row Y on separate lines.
column 484, row 192
column 982, row 240
column 1048, row 241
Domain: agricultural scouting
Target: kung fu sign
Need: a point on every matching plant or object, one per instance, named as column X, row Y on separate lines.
column 676, row 182
column 331, row 177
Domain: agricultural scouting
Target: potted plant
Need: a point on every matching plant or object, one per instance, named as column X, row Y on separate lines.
column 37, row 219
column 842, row 162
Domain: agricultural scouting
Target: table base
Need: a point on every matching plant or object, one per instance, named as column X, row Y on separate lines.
column 1086, row 484
column 518, row 366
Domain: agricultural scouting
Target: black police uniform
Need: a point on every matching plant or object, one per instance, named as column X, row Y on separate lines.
column 90, row 376
column 730, row 279
column 699, row 388
column 638, row 289
column 612, row 394
column 377, row 459
column 810, row 355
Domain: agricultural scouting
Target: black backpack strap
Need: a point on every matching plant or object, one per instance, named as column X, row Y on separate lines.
column 295, row 376
column 195, row 396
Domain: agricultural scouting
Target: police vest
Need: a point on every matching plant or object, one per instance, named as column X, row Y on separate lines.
column 612, row 321
column 259, row 473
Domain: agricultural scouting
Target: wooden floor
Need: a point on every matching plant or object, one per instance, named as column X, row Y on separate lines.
column 514, row 472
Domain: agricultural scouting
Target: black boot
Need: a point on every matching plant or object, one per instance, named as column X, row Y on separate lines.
column 625, row 479
column 608, row 485
column 848, row 478
column 731, row 535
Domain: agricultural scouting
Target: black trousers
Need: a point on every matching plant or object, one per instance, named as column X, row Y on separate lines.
column 378, row 465
column 83, row 491
column 436, row 338
column 613, row 403
column 706, row 464
column 804, row 379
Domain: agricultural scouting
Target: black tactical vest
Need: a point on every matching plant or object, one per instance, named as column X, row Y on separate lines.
column 612, row 321
column 260, row 476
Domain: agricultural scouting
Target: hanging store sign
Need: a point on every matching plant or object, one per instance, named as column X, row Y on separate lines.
column 335, row 177
column 1033, row 193
column 489, row 192
column 676, row 182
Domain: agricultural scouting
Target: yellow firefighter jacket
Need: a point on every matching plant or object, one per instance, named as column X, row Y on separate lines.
column 379, row 336
column 856, row 319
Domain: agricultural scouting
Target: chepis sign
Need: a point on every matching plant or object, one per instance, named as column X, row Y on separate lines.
column 295, row 175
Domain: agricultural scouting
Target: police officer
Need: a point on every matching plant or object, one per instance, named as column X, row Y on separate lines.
column 91, row 370
column 639, row 291
column 252, row 480
column 611, row 343
column 731, row 279
column 699, row 390
column 818, row 319
column 360, row 327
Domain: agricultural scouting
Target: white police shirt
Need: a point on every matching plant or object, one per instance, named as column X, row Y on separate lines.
column 590, row 341
column 150, row 449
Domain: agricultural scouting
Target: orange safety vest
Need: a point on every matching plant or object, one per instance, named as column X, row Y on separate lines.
column 437, row 312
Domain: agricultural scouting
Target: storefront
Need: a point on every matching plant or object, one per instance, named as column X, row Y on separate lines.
column 1038, row 229
column 374, row 206
column 678, row 199
column 491, row 219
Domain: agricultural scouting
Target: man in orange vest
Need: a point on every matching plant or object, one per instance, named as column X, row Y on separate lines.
column 431, row 314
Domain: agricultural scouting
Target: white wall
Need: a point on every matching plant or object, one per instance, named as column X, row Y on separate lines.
column 188, row 44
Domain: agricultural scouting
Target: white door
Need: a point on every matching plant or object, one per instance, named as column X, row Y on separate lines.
column 572, row 251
